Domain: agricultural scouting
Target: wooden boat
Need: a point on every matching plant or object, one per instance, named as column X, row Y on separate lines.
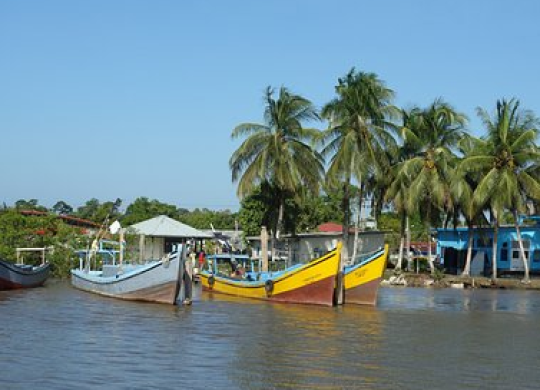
column 361, row 281
column 15, row 276
column 154, row 281
column 311, row 283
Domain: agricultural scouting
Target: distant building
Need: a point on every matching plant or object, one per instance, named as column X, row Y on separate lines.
column 303, row 247
column 161, row 234
column 452, row 249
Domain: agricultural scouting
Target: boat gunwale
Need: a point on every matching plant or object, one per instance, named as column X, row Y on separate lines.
column 14, row 268
column 118, row 278
column 375, row 257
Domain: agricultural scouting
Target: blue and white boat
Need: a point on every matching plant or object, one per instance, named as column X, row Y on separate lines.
column 150, row 281
column 15, row 276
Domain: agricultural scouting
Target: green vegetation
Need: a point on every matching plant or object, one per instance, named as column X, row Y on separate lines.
column 411, row 168
column 19, row 231
column 419, row 162
column 277, row 155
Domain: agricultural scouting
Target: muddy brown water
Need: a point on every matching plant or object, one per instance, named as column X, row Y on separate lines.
column 57, row 337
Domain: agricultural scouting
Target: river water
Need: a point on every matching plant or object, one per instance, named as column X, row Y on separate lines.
column 57, row 337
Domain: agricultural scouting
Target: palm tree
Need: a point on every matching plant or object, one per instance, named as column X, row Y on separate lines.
column 509, row 155
column 397, row 180
column 434, row 134
column 462, row 187
column 358, row 121
column 278, row 152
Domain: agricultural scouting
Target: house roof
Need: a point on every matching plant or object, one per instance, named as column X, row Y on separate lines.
column 70, row 220
column 163, row 226
column 330, row 227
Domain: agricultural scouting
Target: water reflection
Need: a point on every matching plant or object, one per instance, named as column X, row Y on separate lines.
column 414, row 338
column 460, row 300
column 301, row 346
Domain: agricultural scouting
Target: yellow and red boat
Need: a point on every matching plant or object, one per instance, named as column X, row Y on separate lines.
column 311, row 283
column 361, row 281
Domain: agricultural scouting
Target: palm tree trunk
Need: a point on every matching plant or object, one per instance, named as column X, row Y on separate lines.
column 430, row 260
column 408, row 244
column 277, row 232
column 399, row 264
column 345, row 240
column 467, row 269
column 279, row 226
column 526, row 278
column 358, row 219
column 494, row 249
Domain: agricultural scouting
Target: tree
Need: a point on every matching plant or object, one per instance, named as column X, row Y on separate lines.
column 204, row 218
column 434, row 134
column 356, row 135
column 316, row 210
column 89, row 209
column 31, row 204
column 62, row 208
column 506, row 161
column 278, row 153
column 396, row 181
column 143, row 208
column 462, row 186
column 98, row 212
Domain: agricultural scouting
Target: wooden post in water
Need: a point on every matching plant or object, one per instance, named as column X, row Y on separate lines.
column 264, row 249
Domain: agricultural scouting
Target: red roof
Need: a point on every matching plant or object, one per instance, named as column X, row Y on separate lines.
column 330, row 227
column 67, row 218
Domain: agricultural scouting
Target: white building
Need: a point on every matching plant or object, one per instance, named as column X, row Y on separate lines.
column 161, row 233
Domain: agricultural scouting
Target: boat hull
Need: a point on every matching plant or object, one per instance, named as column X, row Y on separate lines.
column 312, row 283
column 361, row 282
column 13, row 277
column 157, row 281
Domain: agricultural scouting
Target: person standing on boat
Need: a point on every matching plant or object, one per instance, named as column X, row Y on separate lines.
column 201, row 259
column 188, row 277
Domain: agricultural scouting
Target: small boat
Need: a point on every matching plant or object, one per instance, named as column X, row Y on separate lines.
column 154, row 281
column 361, row 280
column 311, row 283
column 15, row 276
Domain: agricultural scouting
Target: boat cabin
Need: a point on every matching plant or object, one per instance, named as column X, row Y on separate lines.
column 160, row 235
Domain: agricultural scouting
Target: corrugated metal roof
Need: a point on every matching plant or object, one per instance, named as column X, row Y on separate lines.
column 163, row 226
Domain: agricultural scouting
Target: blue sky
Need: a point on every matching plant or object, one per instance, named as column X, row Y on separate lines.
column 120, row 99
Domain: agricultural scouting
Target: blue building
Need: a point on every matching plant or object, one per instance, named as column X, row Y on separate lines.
column 452, row 249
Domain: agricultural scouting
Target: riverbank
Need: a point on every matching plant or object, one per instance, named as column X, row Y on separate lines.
column 411, row 279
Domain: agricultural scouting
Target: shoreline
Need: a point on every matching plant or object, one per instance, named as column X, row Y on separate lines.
column 426, row 280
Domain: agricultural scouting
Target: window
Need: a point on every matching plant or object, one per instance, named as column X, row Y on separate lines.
column 536, row 256
column 526, row 244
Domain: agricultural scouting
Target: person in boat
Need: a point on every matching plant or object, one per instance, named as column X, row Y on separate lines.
column 188, row 277
column 238, row 271
column 202, row 256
